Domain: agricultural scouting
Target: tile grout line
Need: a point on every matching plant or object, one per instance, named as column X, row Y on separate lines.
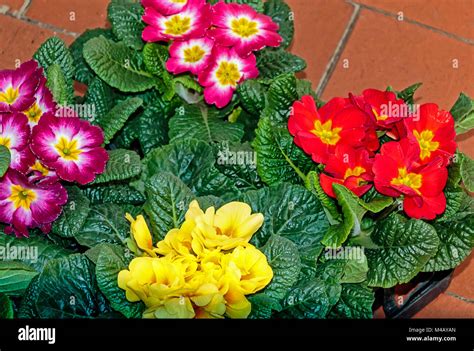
column 331, row 66
column 459, row 297
column 40, row 24
column 24, row 8
column 414, row 22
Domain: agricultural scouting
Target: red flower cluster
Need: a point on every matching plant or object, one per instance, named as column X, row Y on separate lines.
column 215, row 43
column 344, row 136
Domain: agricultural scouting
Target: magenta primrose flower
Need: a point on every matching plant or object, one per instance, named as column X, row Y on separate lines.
column 192, row 22
column 71, row 147
column 166, row 7
column 243, row 28
column 42, row 105
column 25, row 205
column 14, row 135
column 226, row 71
column 17, row 87
column 192, row 56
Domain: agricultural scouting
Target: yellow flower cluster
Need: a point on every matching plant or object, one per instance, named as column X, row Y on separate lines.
column 204, row 269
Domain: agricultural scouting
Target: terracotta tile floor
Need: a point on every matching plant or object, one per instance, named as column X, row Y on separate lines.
column 349, row 45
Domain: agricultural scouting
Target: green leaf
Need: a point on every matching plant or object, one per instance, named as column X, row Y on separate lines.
column 110, row 262
column 168, row 199
column 355, row 269
column 117, row 65
column 256, row 4
column 192, row 161
column 403, row 248
column 281, row 13
column 15, row 277
column 355, row 302
column 60, row 86
column 467, row 172
column 238, row 162
column 127, row 25
column 5, row 159
column 407, row 93
column 281, row 96
column 115, row 193
column 55, row 52
column 153, row 128
column 122, row 164
column 272, row 63
column 115, row 119
column 262, row 306
column 6, row 307
column 67, row 288
column 456, row 242
column 284, row 258
column 84, row 74
column 74, row 214
column 106, row 223
column 278, row 158
column 289, row 211
column 203, row 123
column 35, row 251
column 155, row 57
column 463, row 114
column 353, row 210
column 252, row 96
column 311, row 299
column 312, row 184
column 100, row 97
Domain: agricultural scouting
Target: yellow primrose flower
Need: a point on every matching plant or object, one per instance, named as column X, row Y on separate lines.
column 237, row 305
column 230, row 226
column 174, row 308
column 176, row 242
column 141, row 234
column 209, row 301
column 137, row 279
column 248, row 268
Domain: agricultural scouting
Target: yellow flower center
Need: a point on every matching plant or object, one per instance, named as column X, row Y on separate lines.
column 34, row 113
column 228, row 73
column 427, row 146
column 40, row 168
column 9, row 96
column 5, row 141
column 68, row 149
column 354, row 172
column 411, row 180
column 177, row 25
column 179, row 1
column 21, row 197
column 326, row 133
column 244, row 28
column 379, row 117
column 194, row 54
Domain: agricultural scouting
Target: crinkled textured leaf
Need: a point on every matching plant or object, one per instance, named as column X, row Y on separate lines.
column 127, row 25
column 281, row 96
column 168, row 199
column 110, row 262
column 84, row 73
column 403, row 248
column 203, row 123
column 263, row 306
column 256, row 4
column 55, row 51
column 67, row 288
column 408, row 93
column 281, row 13
column 456, row 242
column 467, row 172
column 100, row 98
column 118, row 65
column 192, row 161
column 6, row 307
column 355, row 302
column 106, row 223
column 284, row 258
column 463, row 114
column 272, row 63
column 115, row 193
column 5, row 159
column 74, row 214
column 122, row 164
column 115, row 119
column 278, row 158
column 60, row 86
column 252, row 95
column 291, row 212
column 15, row 277
column 312, row 184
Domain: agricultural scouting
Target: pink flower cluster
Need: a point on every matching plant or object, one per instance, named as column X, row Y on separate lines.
column 215, row 43
column 44, row 147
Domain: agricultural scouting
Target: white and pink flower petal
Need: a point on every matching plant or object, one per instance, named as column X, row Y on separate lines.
column 166, row 7
column 21, row 160
column 44, row 104
column 193, row 55
column 18, row 87
column 14, row 130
